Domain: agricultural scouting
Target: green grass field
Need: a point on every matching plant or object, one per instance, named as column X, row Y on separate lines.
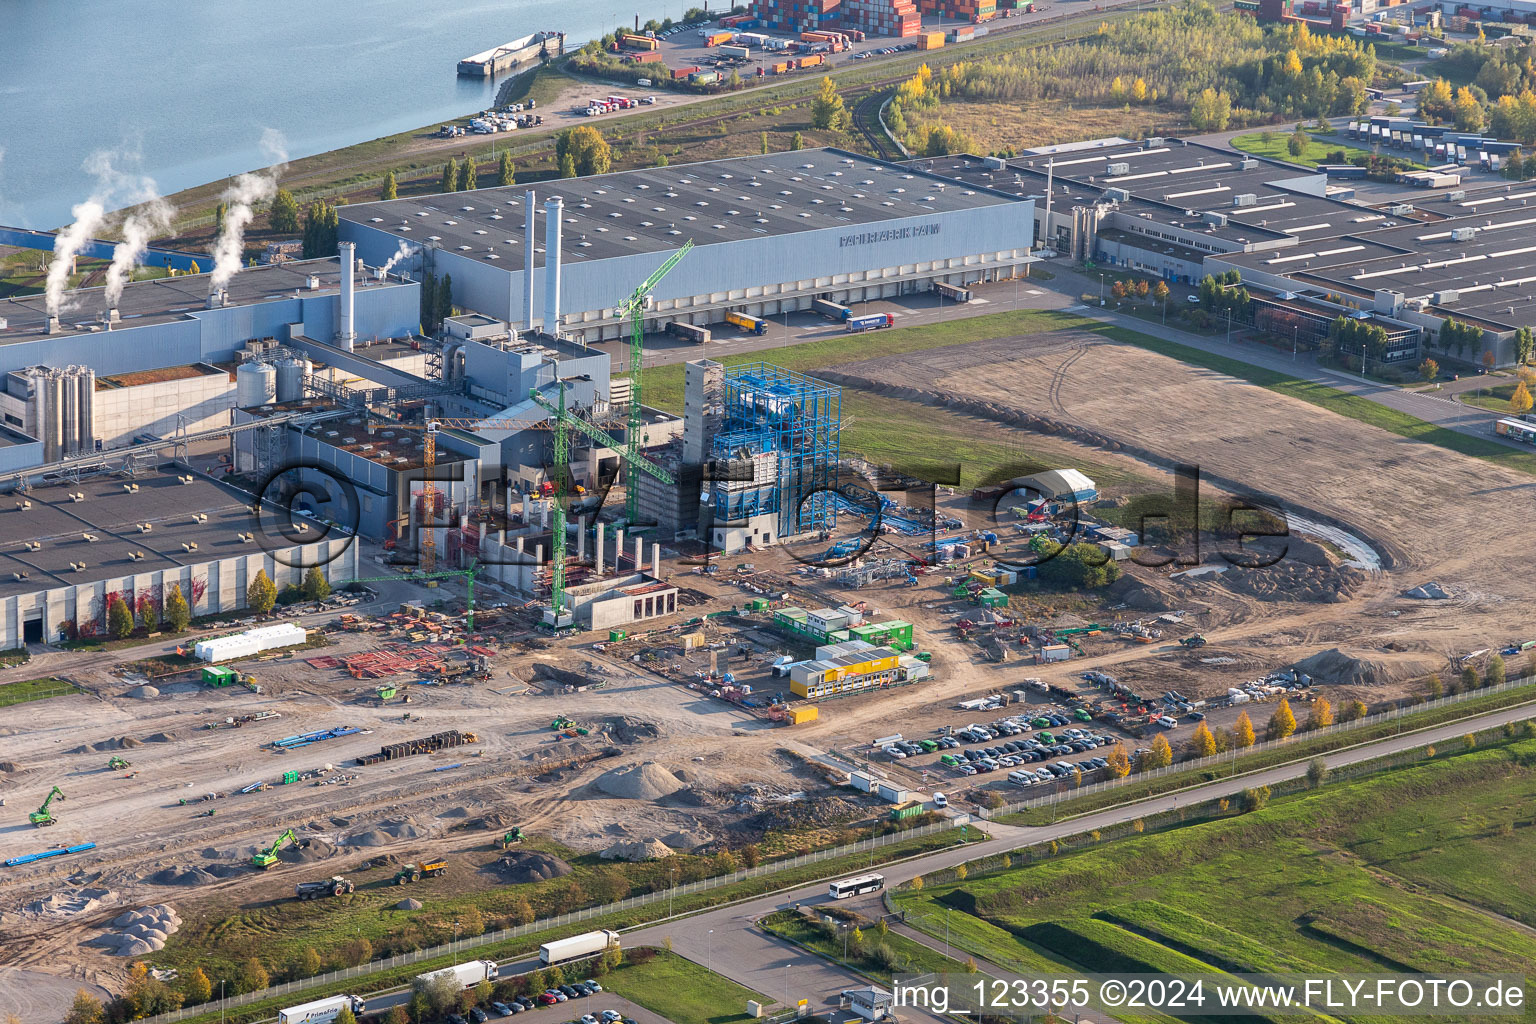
column 1407, row 869
column 682, row 991
column 1276, row 147
column 34, row 689
column 899, row 955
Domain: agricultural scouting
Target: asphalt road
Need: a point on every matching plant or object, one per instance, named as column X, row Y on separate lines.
column 727, row 941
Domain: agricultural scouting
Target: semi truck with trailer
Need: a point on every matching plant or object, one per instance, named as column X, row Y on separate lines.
column 831, row 310
column 869, row 322
column 466, row 975
column 585, row 944
column 757, row 325
column 320, row 1011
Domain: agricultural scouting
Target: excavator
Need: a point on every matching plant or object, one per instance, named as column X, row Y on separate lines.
column 264, row 859
column 41, row 816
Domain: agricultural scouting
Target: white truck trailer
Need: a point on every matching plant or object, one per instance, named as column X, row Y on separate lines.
column 584, row 944
column 320, row 1011
column 472, row 973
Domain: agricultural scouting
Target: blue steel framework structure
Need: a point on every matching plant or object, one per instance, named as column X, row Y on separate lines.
column 768, row 409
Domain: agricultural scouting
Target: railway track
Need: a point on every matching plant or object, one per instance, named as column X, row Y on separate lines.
column 866, row 118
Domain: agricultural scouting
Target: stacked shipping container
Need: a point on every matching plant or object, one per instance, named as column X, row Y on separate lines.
column 882, row 17
column 970, row 10
column 794, row 15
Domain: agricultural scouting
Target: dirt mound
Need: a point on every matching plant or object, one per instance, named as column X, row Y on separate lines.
column 161, row 737
column 6, row 767
column 645, row 849
column 647, row 781
column 408, row 905
column 115, row 743
column 144, row 690
column 530, row 866
column 627, row 729
column 307, row 852
column 182, row 877
column 456, row 812
column 1366, row 667
column 386, row 833
column 1293, row 581
column 1136, row 594
column 688, row 840
column 796, row 814
column 492, row 821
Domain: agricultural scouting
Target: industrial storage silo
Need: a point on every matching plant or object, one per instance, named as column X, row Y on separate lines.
column 290, row 378
column 255, row 384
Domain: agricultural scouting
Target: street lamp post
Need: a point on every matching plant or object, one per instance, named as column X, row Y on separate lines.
column 1101, row 289
column 1295, row 340
column 221, row 1001
column 672, row 892
column 709, row 950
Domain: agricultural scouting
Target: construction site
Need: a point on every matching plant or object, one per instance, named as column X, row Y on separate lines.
column 566, row 636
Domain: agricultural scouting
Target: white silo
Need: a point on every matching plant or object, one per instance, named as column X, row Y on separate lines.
column 290, row 378
column 255, row 384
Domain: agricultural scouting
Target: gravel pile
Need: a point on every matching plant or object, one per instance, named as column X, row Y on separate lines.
column 386, row 833
column 647, row 781
column 408, row 905
column 523, row 867
column 144, row 690
column 645, row 849
column 141, row 931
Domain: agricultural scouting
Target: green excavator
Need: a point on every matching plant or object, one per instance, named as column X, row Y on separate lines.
column 264, row 859
column 42, row 816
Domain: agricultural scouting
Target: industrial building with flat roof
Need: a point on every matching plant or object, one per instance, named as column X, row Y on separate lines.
column 69, row 549
column 774, row 232
column 1180, row 211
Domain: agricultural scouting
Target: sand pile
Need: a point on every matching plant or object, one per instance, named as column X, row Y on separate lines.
column 116, row 743
column 523, row 867
column 161, row 737
column 141, row 931
column 1367, row 668
column 456, row 812
column 408, row 905
column 182, row 876
column 67, row 904
column 7, row 767
column 645, row 849
column 647, row 781
column 688, row 839
column 385, row 833
column 144, row 690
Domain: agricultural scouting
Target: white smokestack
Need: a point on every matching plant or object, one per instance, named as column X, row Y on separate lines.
column 404, row 252
column 153, row 217
column 345, row 336
column 530, row 235
column 247, row 190
column 554, row 214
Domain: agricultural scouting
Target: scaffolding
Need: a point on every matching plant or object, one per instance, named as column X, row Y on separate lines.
column 787, row 427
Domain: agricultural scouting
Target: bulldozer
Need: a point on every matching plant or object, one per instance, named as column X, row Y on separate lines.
column 42, row 816
column 117, row 764
column 512, row 838
column 1192, row 641
column 416, row 872
column 333, row 886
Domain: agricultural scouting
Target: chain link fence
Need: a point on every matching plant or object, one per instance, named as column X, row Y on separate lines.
column 1063, row 793
column 560, row 921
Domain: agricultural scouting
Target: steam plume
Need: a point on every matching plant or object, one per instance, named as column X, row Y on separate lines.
column 247, row 190
column 404, row 252
column 88, row 217
column 152, row 217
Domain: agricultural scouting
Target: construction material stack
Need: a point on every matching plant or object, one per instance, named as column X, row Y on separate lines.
column 426, row 745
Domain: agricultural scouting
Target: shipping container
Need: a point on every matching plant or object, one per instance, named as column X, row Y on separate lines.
column 799, row 716
column 812, row 61
column 639, row 43
column 684, row 72
column 704, row 77
column 716, row 38
column 645, row 57
column 952, row 293
column 930, row 41
column 736, row 51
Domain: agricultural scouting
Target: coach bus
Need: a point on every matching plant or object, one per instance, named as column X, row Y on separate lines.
column 1516, row 430
column 950, row 292
column 856, row 886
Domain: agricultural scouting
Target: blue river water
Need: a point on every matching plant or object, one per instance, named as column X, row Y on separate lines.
column 184, row 89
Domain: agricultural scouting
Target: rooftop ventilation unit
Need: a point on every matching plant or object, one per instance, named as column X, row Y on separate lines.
column 1247, row 163
column 1463, row 234
column 1117, row 195
column 1246, row 199
column 1115, row 169
column 189, row 546
column 23, row 505
column 1442, row 298
column 34, row 545
column 80, row 495
column 997, row 163
column 1215, row 220
column 1400, row 209
column 1154, row 142
column 1457, row 196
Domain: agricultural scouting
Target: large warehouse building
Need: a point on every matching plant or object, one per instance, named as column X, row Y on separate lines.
column 1308, row 249
column 773, row 233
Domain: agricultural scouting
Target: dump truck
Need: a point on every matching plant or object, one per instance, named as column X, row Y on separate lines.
column 585, row 944
column 320, row 1011
column 416, row 872
column 467, row 975
column 333, row 886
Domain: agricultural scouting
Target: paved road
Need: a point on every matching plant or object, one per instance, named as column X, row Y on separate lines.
column 726, row 941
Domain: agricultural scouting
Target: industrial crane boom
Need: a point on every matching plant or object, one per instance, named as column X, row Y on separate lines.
column 604, row 438
column 634, row 308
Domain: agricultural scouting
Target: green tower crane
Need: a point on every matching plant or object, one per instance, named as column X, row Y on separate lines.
column 564, row 420
column 42, row 816
column 634, row 307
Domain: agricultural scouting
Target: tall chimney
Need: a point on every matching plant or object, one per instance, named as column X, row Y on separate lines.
column 554, row 214
column 345, row 335
column 530, row 236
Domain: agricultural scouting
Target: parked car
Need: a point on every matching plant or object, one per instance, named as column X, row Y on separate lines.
column 478, row 1015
